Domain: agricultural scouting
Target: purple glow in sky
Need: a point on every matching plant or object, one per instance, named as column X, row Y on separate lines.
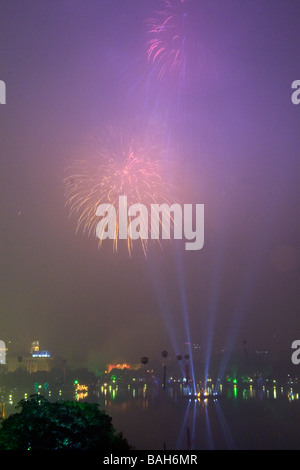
column 74, row 67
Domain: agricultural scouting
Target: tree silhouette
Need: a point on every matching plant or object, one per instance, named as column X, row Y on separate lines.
column 41, row 425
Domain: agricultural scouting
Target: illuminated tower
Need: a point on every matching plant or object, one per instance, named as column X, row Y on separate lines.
column 35, row 346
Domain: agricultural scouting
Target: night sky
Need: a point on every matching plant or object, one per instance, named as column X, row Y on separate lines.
column 72, row 68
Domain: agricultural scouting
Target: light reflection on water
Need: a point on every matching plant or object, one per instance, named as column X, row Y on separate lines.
column 243, row 418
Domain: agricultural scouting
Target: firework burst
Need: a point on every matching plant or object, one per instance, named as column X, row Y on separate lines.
column 165, row 49
column 128, row 171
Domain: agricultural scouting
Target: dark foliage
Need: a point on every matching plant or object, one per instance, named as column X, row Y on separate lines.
column 41, row 425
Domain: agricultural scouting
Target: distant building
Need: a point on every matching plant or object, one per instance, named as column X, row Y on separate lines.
column 34, row 362
column 122, row 366
column 2, row 352
column 29, row 363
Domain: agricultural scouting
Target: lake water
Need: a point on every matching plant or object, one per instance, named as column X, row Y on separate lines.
column 240, row 419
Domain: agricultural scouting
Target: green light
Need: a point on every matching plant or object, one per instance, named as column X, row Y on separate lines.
column 234, row 381
column 75, row 382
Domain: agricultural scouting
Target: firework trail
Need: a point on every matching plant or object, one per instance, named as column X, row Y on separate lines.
column 125, row 169
column 166, row 46
column 174, row 54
